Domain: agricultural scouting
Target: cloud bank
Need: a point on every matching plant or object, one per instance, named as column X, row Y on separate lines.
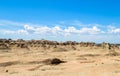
column 72, row 31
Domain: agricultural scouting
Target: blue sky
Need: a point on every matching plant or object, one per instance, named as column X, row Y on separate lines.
column 61, row 20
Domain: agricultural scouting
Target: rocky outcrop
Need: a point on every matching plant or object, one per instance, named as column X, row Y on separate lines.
column 109, row 46
column 46, row 44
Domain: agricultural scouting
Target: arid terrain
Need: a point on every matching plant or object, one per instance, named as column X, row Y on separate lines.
column 52, row 58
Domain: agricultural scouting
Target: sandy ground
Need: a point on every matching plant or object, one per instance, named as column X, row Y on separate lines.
column 81, row 62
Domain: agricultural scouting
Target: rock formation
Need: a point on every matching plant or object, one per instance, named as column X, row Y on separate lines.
column 46, row 44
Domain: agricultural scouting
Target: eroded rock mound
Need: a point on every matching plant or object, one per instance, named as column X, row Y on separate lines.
column 47, row 44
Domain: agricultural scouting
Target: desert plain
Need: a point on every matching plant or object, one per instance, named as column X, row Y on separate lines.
column 34, row 58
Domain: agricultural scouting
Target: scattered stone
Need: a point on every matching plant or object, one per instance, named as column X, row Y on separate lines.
column 6, row 71
column 102, row 63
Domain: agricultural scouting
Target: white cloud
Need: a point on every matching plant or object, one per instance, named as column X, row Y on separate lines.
column 42, row 30
column 117, row 30
column 84, row 30
column 70, row 31
column 112, row 29
column 7, row 32
column 29, row 28
column 93, row 30
column 22, row 32
column 9, row 23
column 56, row 30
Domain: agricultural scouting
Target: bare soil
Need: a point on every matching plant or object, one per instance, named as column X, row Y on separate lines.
column 84, row 61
